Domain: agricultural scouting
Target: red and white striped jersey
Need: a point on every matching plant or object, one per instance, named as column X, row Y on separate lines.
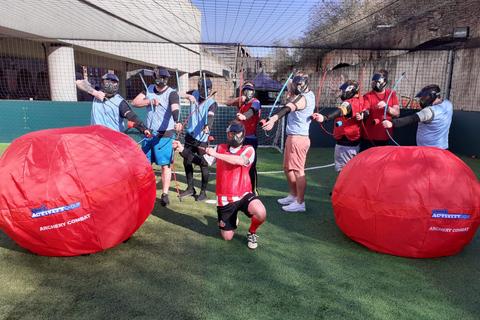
column 233, row 181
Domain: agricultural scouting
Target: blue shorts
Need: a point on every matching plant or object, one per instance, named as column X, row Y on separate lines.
column 158, row 150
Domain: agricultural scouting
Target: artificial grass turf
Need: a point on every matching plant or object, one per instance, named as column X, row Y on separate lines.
column 177, row 267
column 3, row 147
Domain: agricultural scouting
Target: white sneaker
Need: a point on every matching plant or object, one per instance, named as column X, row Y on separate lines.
column 295, row 207
column 287, row 200
column 252, row 240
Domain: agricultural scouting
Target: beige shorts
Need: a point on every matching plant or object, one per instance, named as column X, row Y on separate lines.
column 295, row 154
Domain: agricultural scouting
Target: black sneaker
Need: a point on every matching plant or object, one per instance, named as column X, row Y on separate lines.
column 202, row 196
column 187, row 193
column 164, row 200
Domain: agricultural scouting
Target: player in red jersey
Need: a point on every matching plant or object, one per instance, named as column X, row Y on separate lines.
column 347, row 128
column 375, row 103
column 233, row 188
column 249, row 111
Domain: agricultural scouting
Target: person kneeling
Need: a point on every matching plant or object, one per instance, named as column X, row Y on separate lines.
column 233, row 188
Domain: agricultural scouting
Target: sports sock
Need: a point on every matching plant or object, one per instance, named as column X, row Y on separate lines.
column 255, row 224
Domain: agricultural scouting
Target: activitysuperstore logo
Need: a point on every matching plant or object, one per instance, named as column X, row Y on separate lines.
column 42, row 211
column 443, row 214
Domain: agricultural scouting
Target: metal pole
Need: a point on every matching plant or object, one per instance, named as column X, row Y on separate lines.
column 448, row 79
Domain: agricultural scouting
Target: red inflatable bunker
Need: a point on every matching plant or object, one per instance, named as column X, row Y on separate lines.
column 419, row 202
column 72, row 191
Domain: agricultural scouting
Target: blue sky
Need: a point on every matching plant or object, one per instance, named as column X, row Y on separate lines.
column 253, row 22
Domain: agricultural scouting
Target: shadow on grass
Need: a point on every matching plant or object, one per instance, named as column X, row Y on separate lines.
column 7, row 243
column 187, row 220
column 456, row 275
column 153, row 276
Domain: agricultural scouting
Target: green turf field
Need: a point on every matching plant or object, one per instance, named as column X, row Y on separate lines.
column 177, row 267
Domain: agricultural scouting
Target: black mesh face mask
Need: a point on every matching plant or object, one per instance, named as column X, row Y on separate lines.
column 248, row 91
column 299, row 84
column 234, row 140
column 161, row 77
column 249, row 94
column 348, row 91
column 379, row 81
column 201, row 87
column 431, row 95
column 110, row 83
column 161, row 82
column 110, row 86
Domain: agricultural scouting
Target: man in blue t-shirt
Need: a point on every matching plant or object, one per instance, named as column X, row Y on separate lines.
column 433, row 120
column 109, row 109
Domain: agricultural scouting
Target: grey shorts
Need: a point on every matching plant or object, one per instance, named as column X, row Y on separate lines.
column 343, row 154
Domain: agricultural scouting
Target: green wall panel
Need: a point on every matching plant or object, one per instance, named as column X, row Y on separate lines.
column 20, row 117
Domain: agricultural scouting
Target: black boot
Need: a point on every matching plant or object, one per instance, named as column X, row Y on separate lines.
column 202, row 196
column 187, row 193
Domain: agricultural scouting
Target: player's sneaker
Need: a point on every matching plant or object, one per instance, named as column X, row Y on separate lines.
column 252, row 240
column 164, row 200
column 287, row 200
column 187, row 193
column 202, row 196
column 295, row 207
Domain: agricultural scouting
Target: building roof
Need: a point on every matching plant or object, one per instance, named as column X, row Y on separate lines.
column 113, row 20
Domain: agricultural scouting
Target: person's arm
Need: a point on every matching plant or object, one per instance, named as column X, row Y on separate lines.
column 174, row 104
column 344, row 109
column 173, row 101
column 298, row 103
column 243, row 159
column 394, row 111
column 210, row 117
column 233, row 102
column 233, row 159
column 367, row 104
column 290, row 93
column 254, row 109
column 185, row 153
column 85, row 86
column 363, row 115
column 127, row 113
column 189, row 97
column 426, row 115
column 141, row 100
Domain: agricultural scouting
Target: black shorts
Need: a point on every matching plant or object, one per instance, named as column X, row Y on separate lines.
column 227, row 215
